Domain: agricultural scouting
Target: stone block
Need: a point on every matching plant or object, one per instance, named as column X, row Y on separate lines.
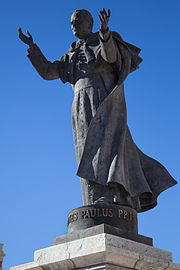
column 98, row 252
column 102, row 228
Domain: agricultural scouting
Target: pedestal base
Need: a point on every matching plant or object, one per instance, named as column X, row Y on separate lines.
column 102, row 228
column 98, row 252
column 122, row 217
column 104, row 218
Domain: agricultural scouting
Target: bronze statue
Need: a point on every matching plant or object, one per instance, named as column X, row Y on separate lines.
column 111, row 167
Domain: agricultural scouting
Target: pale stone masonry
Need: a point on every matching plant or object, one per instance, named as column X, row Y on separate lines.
column 2, row 254
column 102, row 251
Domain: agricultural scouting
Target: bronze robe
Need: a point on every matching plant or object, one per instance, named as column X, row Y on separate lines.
column 105, row 151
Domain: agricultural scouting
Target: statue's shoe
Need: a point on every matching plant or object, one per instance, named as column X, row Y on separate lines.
column 103, row 200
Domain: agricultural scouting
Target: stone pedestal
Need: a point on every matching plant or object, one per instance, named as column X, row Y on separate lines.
column 98, row 252
column 1, row 255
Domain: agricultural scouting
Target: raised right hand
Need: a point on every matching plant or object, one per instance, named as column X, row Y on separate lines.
column 104, row 19
column 25, row 39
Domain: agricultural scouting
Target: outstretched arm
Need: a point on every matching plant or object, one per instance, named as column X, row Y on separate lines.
column 46, row 69
column 109, row 49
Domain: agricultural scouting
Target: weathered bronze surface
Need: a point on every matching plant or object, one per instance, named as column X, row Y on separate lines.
column 111, row 167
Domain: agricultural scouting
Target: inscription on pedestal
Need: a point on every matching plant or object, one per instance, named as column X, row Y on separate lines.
column 84, row 217
column 101, row 212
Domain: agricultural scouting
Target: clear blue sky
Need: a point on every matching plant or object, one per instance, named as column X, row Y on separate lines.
column 37, row 159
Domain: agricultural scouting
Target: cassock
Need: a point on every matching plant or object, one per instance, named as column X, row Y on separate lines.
column 96, row 68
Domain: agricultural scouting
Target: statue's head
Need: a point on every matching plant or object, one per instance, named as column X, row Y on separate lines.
column 81, row 23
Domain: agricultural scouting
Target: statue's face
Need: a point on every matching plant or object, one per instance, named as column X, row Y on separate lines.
column 80, row 25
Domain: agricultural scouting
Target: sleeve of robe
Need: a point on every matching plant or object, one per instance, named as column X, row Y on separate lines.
column 109, row 49
column 46, row 69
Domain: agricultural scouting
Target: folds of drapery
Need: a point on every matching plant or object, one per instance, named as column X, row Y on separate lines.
column 110, row 155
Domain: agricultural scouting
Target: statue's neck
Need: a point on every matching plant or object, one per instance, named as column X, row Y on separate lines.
column 86, row 37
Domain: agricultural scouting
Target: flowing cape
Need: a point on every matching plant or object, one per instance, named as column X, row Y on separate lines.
column 110, row 155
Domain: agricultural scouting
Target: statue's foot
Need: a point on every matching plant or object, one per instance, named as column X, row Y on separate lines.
column 103, row 200
column 123, row 200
